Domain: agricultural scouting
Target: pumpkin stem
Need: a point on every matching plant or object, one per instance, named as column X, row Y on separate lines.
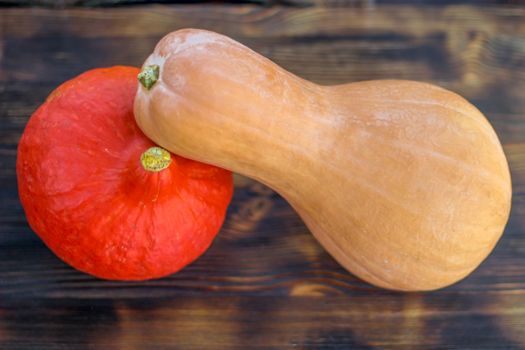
column 149, row 75
column 155, row 159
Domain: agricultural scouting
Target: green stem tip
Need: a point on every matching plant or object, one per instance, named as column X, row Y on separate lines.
column 149, row 75
column 155, row 159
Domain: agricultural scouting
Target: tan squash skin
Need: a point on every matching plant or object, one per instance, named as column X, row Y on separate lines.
column 404, row 183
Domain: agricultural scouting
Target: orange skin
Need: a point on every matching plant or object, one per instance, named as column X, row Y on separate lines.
column 86, row 193
column 404, row 183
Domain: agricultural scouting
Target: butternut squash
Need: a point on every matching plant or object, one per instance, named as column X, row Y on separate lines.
column 404, row 183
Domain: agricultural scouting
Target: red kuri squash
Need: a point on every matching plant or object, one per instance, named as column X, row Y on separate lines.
column 102, row 196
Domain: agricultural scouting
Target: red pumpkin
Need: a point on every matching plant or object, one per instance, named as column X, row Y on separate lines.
column 101, row 195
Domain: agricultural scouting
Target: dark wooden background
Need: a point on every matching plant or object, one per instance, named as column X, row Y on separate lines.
column 265, row 283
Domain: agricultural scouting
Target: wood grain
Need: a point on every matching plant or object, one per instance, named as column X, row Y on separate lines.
column 298, row 3
column 265, row 283
column 405, row 321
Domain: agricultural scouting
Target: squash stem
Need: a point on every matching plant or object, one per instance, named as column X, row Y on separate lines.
column 149, row 75
column 155, row 159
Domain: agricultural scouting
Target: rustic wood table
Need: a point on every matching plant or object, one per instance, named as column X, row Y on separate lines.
column 265, row 283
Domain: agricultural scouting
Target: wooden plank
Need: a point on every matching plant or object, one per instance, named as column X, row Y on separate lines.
column 373, row 3
column 244, row 21
column 299, row 3
column 109, row 3
column 364, row 321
